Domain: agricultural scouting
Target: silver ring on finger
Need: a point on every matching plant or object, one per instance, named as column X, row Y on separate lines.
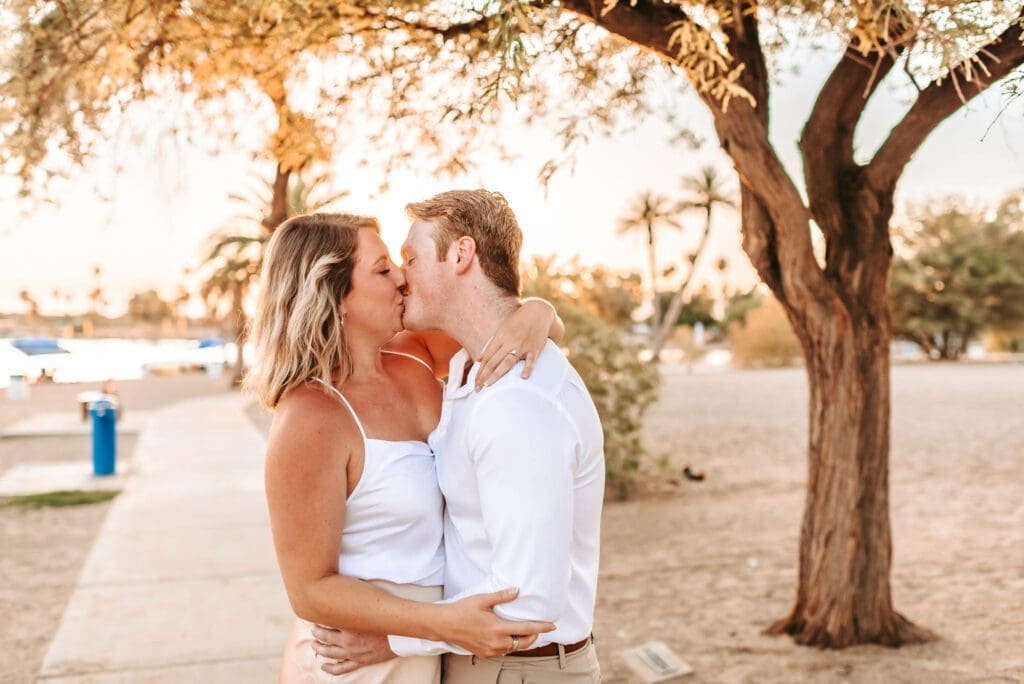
column 513, row 352
column 515, row 644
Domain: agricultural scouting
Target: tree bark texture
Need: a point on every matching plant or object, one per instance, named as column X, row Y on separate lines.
column 843, row 590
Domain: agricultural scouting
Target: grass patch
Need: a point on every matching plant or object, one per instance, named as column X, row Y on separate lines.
column 59, row 499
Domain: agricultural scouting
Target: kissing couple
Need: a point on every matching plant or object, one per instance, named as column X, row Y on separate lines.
column 426, row 532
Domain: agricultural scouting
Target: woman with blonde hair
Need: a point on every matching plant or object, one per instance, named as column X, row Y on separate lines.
column 355, row 508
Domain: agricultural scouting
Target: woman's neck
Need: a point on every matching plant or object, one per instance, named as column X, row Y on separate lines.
column 365, row 355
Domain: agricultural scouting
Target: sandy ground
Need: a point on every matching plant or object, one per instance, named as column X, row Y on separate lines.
column 708, row 566
column 42, row 551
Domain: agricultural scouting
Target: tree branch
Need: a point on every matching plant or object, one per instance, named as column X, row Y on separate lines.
column 774, row 218
column 826, row 144
column 646, row 24
column 745, row 47
column 759, row 241
column 780, row 238
column 939, row 100
column 484, row 22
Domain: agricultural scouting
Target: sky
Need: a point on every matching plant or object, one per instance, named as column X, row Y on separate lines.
column 147, row 223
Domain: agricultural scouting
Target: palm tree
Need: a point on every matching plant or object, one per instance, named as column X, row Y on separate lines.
column 96, row 294
column 180, row 304
column 236, row 249
column 649, row 211
column 31, row 306
column 229, row 282
column 722, row 264
column 706, row 192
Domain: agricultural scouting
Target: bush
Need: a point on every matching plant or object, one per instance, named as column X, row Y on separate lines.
column 765, row 339
column 960, row 271
column 1005, row 340
column 622, row 386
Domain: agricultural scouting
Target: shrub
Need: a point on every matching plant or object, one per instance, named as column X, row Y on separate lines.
column 960, row 271
column 1002, row 340
column 765, row 339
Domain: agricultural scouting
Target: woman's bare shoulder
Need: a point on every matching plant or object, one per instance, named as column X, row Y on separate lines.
column 310, row 417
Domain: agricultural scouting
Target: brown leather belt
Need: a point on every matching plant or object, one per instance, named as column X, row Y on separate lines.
column 549, row 650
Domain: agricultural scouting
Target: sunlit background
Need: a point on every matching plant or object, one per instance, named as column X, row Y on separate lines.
column 143, row 210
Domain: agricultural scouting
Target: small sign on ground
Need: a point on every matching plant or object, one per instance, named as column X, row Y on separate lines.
column 655, row 662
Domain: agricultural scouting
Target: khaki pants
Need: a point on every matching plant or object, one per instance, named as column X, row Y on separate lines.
column 579, row 667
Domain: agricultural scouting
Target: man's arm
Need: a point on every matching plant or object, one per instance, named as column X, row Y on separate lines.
column 526, row 331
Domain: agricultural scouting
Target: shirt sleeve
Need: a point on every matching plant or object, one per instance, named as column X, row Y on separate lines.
column 523, row 446
column 411, row 646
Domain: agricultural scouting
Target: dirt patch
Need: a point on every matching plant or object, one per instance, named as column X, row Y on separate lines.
column 43, row 554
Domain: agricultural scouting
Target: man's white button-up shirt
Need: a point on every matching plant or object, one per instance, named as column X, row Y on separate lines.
column 521, row 467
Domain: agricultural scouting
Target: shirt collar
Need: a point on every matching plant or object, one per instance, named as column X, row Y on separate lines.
column 456, row 367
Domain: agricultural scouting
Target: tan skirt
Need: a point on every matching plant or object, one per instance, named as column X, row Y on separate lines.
column 301, row 665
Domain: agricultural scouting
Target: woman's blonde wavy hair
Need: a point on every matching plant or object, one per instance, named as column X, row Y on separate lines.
column 298, row 331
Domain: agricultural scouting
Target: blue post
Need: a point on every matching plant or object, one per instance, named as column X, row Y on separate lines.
column 104, row 436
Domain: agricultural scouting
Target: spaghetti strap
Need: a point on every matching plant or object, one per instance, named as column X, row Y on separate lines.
column 341, row 396
column 410, row 356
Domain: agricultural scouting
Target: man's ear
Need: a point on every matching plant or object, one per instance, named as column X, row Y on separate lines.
column 465, row 250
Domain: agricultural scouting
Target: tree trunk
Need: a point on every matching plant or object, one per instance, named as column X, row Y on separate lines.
column 279, row 201
column 653, row 268
column 843, row 594
column 841, row 315
column 676, row 306
column 238, row 313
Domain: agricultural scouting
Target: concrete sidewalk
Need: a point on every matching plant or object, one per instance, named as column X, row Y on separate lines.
column 181, row 584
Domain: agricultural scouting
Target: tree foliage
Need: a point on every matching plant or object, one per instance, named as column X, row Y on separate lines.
column 414, row 79
column 961, row 271
column 740, row 304
column 699, row 308
column 148, row 307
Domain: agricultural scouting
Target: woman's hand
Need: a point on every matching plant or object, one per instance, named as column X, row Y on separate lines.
column 472, row 624
column 340, row 651
column 522, row 336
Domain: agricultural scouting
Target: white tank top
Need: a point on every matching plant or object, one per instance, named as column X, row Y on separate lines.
column 394, row 518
